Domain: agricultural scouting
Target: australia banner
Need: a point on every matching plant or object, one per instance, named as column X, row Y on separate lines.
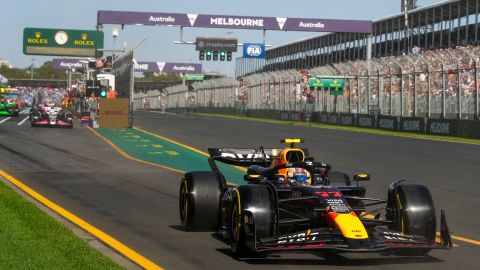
column 165, row 67
column 67, row 63
column 233, row 22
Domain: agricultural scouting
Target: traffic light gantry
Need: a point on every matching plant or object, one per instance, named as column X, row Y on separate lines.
column 215, row 55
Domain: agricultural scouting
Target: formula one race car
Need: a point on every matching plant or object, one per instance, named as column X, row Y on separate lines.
column 9, row 108
column 290, row 203
column 50, row 115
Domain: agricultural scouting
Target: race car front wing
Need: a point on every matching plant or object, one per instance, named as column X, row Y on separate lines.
column 380, row 239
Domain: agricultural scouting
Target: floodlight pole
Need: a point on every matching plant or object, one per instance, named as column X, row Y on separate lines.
column 69, row 79
column 407, row 30
column 31, row 69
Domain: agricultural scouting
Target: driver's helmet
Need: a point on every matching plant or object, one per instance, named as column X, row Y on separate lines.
column 298, row 176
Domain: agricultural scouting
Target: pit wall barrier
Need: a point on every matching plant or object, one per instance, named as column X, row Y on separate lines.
column 422, row 125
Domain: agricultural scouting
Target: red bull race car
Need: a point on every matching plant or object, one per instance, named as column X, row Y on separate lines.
column 50, row 115
column 290, row 202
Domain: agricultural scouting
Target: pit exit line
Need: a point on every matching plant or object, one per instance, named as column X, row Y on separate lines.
column 23, row 121
column 1, row 122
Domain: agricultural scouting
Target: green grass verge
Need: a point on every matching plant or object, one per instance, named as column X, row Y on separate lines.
column 352, row 129
column 31, row 239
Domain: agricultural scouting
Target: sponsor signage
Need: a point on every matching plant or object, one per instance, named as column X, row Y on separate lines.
column 232, row 21
column 412, row 124
column 165, row 67
column 62, row 42
column 295, row 116
column 114, row 113
column 366, row 121
column 441, row 127
column 197, row 77
column 253, row 50
column 216, row 44
column 67, row 63
column 333, row 118
column 324, row 117
column 327, row 83
column 347, row 119
column 146, row 67
column 387, row 122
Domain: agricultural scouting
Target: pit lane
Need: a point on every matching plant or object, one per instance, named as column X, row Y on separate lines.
column 137, row 203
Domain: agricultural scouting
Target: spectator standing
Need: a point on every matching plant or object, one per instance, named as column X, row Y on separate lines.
column 112, row 94
column 243, row 103
column 310, row 103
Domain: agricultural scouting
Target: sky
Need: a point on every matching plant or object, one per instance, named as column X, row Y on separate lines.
column 159, row 44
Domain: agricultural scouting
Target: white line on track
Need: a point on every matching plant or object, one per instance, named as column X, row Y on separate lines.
column 24, row 111
column 19, row 124
column 1, row 122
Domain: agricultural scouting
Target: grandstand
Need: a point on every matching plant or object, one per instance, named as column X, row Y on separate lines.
column 443, row 25
column 428, row 69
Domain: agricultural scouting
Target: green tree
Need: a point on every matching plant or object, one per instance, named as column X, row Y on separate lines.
column 151, row 77
column 46, row 71
column 16, row 73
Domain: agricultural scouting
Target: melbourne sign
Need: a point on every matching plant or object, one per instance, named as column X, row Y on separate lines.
column 165, row 67
column 67, row 63
column 253, row 50
column 62, row 42
column 233, row 21
column 216, row 44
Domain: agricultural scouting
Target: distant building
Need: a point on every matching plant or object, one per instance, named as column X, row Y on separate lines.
column 411, row 4
column 4, row 62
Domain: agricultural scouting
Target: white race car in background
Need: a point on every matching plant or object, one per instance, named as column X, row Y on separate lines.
column 51, row 115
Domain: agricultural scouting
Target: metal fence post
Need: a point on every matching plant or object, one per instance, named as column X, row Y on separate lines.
column 368, row 90
column 476, row 90
column 391, row 94
column 429, row 93
column 401, row 91
column 459, row 93
column 349, row 96
column 358, row 95
column 444, row 87
column 380, row 93
column 414, row 93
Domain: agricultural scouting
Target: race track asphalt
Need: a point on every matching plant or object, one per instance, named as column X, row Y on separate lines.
column 137, row 203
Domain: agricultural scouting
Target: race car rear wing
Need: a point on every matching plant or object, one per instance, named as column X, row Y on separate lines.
column 245, row 157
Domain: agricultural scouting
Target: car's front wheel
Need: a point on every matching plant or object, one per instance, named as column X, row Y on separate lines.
column 251, row 218
column 412, row 212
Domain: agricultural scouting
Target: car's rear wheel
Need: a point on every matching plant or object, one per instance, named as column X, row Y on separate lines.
column 199, row 200
column 412, row 212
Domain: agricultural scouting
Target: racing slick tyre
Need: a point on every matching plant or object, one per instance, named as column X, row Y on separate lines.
column 199, row 200
column 412, row 212
column 251, row 218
